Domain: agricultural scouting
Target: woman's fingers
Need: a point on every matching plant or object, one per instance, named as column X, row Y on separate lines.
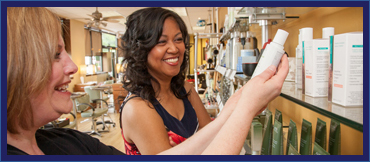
column 282, row 72
column 268, row 73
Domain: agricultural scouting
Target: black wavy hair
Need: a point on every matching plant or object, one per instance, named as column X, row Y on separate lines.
column 144, row 28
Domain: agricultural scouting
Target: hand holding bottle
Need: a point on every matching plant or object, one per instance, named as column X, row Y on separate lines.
column 265, row 87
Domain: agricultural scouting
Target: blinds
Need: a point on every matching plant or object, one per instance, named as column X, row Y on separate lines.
column 93, row 43
column 119, row 48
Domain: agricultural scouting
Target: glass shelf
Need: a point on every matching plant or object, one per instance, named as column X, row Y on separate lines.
column 350, row 116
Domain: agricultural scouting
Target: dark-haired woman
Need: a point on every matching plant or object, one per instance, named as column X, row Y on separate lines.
column 162, row 105
column 157, row 49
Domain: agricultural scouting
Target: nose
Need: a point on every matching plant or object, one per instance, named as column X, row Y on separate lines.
column 172, row 48
column 70, row 67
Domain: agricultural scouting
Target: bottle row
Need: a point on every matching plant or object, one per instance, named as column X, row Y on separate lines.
column 331, row 66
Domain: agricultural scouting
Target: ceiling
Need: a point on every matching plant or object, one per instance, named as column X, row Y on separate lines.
column 192, row 14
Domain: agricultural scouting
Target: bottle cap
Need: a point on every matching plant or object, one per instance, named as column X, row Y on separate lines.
column 307, row 34
column 280, row 37
column 327, row 32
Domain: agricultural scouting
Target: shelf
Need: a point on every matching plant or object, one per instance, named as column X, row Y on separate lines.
column 350, row 116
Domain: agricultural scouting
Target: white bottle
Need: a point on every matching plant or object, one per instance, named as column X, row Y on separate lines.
column 298, row 56
column 272, row 53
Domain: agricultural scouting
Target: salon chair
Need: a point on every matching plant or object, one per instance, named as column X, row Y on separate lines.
column 89, row 111
column 96, row 100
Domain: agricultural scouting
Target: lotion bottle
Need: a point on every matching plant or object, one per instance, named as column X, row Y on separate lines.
column 273, row 53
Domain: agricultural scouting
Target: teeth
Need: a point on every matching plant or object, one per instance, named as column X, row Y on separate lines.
column 62, row 88
column 172, row 60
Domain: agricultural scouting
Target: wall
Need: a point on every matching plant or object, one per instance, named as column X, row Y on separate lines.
column 77, row 49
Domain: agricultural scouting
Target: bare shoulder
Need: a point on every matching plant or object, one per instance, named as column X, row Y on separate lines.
column 136, row 109
column 189, row 87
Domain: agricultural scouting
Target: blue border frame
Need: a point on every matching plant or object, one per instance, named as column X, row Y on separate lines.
column 193, row 3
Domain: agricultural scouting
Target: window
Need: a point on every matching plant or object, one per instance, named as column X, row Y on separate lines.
column 108, row 40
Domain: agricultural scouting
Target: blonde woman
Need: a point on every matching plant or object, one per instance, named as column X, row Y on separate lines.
column 37, row 78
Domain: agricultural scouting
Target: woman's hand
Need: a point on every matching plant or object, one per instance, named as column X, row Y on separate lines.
column 260, row 90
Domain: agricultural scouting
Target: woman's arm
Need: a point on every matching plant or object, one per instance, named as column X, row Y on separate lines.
column 227, row 133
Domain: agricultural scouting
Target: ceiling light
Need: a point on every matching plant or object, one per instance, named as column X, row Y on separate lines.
column 201, row 23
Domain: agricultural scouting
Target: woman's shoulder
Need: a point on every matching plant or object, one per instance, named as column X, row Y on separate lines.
column 188, row 87
column 136, row 108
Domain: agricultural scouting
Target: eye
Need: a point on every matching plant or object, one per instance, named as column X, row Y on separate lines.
column 57, row 56
column 179, row 40
column 161, row 42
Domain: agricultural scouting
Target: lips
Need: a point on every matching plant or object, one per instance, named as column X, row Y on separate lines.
column 172, row 61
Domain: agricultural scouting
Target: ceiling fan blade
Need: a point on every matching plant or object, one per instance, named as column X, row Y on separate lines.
column 111, row 21
column 103, row 23
column 113, row 17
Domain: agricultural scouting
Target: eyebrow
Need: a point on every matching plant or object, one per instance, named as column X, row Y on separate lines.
column 175, row 35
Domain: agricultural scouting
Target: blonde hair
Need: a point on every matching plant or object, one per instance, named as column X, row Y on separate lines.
column 32, row 43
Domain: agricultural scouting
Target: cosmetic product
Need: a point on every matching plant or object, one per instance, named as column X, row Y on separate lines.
column 306, row 138
column 292, row 151
column 278, row 116
column 298, row 56
column 307, row 34
column 320, row 134
column 273, row 53
column 316, row 67
column 236, row 48
column 256, row 137
column 246, row 56
column 231, row 52
column 330, row 79
column 292, row 139
column 264, row 45
column 292, row 66
column 348, row 69
column 318, row 150
column 267, row 134
column 334, row 138
column 277, row 139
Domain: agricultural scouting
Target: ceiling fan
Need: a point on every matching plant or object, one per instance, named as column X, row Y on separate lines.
column 97, row 19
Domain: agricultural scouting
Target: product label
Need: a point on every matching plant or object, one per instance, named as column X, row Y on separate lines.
column 348, row 70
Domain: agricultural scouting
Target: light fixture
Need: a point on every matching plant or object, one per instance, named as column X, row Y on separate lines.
column 91, row 69
column 201, row 23
column 119, row 68
column 83, row 70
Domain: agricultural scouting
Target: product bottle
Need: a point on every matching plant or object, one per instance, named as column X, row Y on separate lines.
column 231, row 52
column 236, row 49
column 264, row 45
column 307, row 34
column 273, row 53
column 298, row 56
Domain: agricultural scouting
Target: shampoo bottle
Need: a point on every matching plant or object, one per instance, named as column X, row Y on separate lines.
column 273, row 53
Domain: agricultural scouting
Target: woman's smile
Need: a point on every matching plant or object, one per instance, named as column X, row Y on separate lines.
column 172, row 61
